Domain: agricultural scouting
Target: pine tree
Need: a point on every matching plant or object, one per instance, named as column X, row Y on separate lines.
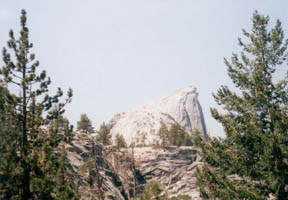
column 177, row 136
column 65, row 183
column 251, row 161
column 120, row 141
column 61, row 123
column 103, row 135
column 188, row 139
column 163, row 134
column 29, row 163
column 143, row 138
column 9, row 161
column 85, row 125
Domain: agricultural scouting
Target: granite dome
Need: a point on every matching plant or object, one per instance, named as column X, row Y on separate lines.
column 181, row 106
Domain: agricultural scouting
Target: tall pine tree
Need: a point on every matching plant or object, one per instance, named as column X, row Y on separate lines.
column 85, row 125
column 178, row 136
column 120, row 141
column 251, row 162
column 28, row 160
column 163, row 135
column 103, row 135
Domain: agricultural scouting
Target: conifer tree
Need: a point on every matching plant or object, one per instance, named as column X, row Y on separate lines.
column 251, row 161
column 163, row 134
column 29, row 163
column 177, row 136
column 9, row 178
column 65, row 183
column 103, row 135
column 85, row 125
column 174, row 134
column 120, row 141
column 61, row 123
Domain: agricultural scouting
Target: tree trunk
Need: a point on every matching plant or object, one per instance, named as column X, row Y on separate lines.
column 26, row 178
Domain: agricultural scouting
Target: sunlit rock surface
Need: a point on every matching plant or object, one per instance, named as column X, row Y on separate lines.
column 174, row 169
column 181, row 106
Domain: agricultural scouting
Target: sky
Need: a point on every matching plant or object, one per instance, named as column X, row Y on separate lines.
column 119, row 54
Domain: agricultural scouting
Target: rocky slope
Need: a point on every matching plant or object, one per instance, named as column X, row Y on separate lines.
column 181, row 106
column 79, row 153
column 119, row 175
column 173, row 168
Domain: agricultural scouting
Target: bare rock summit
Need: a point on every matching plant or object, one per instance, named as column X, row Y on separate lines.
column 142, row 123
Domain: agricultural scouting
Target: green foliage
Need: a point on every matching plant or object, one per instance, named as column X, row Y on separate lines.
column 141, row 138
column 85, row 125
column 188, row 140
column 182, row 197
column 28, row 162
column 177, row 136
column 154, row 191
column 163, row 134
column 120, row 141
column 61, row 122
column 251, row 162
column 65, row 175
column 65, row 192
column 103, row 135
column 9, row 175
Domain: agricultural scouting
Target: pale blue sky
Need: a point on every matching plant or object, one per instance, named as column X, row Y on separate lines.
column 118, row 54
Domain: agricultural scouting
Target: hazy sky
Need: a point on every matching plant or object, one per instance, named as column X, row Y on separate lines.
column 118, row 54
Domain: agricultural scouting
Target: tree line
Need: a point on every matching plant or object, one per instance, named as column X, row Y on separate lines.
column 175, row 135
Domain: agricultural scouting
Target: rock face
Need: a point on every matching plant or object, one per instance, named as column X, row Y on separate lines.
column 79, row 152
column 174, row 169
column 120, row 175
column 181, row 106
